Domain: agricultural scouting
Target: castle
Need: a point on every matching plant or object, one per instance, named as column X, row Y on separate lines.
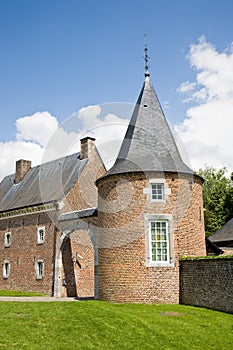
column 71, row 228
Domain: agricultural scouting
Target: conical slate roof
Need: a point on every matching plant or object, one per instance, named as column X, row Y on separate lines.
column 148, row 144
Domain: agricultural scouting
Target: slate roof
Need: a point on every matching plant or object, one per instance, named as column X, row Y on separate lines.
column 42, row 184
column 224, row 234
column 148, row 144
column 210, row 246
column 78, row 214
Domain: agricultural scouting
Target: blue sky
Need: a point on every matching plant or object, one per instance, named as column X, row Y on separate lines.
column 62, row 55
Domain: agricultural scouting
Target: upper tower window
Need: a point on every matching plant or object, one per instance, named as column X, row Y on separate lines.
column 157, row 192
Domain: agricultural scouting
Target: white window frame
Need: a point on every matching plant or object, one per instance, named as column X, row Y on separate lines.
column 162, row 199
column 39, row 269
column 166, row 191
column 39, row 240
column 149, row 218
column 7, row 241
column 6, row 269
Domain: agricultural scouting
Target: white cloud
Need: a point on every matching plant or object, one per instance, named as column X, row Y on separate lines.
column 40, row 138
column 88, row 116
column 15, row 150
column 185, row 87
column 166, row 104
column 32, row 134
column 103, row 123
column 38, row 128
column 207, row 130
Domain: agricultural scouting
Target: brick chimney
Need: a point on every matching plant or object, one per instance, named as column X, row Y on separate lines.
column 87, row 145
column 22, row 168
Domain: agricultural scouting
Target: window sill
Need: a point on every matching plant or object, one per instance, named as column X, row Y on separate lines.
column 162, row 264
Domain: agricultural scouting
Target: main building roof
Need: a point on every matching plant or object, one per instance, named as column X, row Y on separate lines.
column 42, row 184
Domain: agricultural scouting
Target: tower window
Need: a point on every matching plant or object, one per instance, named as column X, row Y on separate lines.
column 157, row 192
column 159, row 241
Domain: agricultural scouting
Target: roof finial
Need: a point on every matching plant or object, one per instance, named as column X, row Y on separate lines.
column 147, row 74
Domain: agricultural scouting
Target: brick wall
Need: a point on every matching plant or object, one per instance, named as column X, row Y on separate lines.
column 207, row 283
column 84, row 193
column 24, row 251
column 122, row 271
column 78, row 265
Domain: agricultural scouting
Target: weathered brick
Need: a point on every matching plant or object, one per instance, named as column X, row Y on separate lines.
column 122, row 271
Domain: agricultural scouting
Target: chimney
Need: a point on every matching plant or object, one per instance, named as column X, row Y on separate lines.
column 87, row 145
column 22, row 168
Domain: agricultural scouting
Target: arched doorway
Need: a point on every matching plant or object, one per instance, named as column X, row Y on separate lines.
column 76, row 263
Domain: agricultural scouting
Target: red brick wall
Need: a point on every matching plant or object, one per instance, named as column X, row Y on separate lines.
column 123, row 274
column 24, row 251
column 78, row 265
column 84, row 193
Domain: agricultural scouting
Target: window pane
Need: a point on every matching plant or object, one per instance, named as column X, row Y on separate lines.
column 6, row 269
column 158, row 241
column 8, row 239
column 157, row 191
column 39, row 270
column 40, row 234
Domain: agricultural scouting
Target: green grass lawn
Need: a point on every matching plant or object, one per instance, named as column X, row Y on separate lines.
column 101, row 325
column 17, row 293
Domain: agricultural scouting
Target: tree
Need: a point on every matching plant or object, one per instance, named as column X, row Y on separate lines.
column 218, row 198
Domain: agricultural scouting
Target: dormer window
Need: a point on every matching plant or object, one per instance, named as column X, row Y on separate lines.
column 8, row 239
column 40, row 234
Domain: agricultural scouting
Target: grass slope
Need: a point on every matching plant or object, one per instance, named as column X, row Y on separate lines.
column 100, row 325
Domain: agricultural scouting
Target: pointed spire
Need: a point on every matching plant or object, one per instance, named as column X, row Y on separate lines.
column 146, row 57
column 148, row 144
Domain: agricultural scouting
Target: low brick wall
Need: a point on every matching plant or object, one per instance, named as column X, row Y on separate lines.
column 207, row 283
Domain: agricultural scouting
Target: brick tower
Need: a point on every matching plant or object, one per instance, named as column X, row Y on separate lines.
column 150, row 211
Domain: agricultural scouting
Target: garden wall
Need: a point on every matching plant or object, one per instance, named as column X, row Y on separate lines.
column 207, row 283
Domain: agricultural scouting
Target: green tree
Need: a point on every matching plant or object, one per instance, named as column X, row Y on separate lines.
column 218, row 198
